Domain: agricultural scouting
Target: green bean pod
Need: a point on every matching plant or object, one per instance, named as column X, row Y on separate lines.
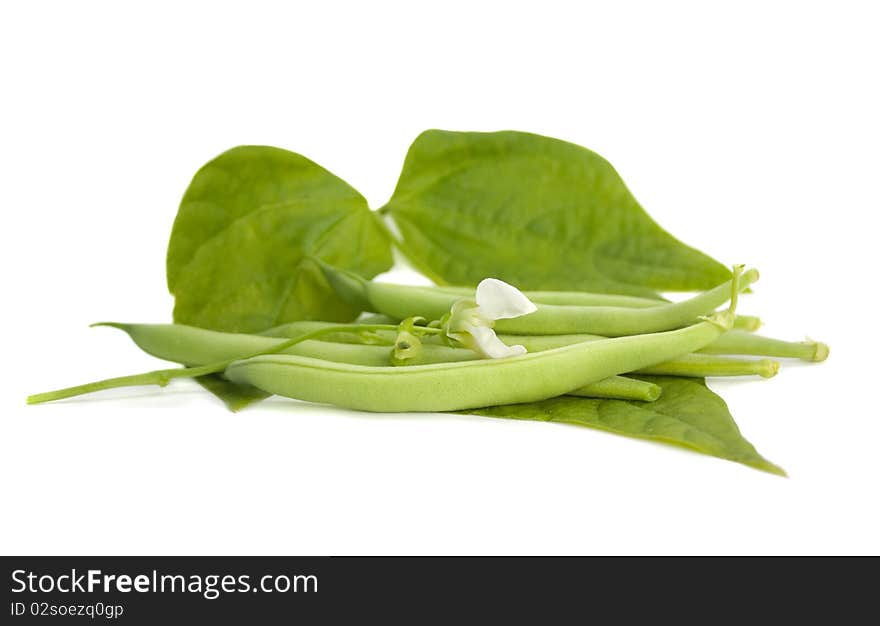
column 583, row 298
column 733, row 342
column 470, row 384
column 402, row 301
column 740, row 342
column 704, row 365
column 620, row 388
column 436, row 387
column 575, row 298
column 190, row 346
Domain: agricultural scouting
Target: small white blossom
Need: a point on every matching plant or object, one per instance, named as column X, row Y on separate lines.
column 471, row 322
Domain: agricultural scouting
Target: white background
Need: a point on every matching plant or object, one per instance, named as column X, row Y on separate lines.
column 747, row 129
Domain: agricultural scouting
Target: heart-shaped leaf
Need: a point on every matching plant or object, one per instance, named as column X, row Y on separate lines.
column 536, row 212
column 238, row 259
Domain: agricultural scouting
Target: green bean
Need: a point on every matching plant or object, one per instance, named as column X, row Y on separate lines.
column 704, row 365
column 402, row 301
column 470, row 384
column 582, row 298
column 620, row 388
column 695, row 365
column 732, row 342
column 439, row 386
column 193, row 346
column 739, row 342
column 294, row 329
column 577, row 298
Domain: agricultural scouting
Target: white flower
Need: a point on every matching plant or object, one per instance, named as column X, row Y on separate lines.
column 471, row 322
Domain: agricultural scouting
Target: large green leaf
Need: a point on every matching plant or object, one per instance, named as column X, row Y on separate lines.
column 687, row 414
column 238, row 255
column 537, row 212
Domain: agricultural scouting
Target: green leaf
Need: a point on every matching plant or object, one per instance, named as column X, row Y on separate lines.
column 687, row 413
column 234, row 396
column 238, row 255
column 537, row 212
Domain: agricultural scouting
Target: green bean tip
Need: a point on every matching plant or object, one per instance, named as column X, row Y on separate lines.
column 768, row 368
column 821, row 350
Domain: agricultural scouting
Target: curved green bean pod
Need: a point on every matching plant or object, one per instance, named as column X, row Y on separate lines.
column 193, row 346
column 402, row 301
column 470, row 384
column 576, row 298
column 583, row 298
